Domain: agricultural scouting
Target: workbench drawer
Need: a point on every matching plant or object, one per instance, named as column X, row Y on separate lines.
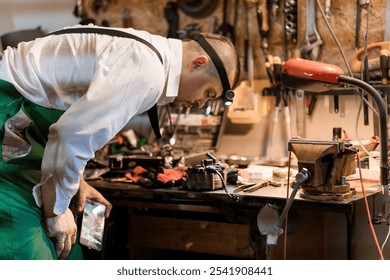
column 198, row 236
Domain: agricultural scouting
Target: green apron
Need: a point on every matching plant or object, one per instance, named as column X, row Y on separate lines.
column 22, row 235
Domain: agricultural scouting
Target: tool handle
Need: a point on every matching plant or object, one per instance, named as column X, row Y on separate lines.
column 277, row 69
column 209, row 155
column 171, row 16
column 384, row 64
column 126, row 19
column 262, row 18
column 336, row 103
column 373, row 63
column 270, row 75
column 262, row 21
column 256, row 187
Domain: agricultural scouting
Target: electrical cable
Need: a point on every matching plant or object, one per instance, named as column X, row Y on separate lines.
column 341, row 49
column 362, row 99
column 386, row 239
column 287, row 197
column 334, row 38
column 357, row 129
column 233, row 196
column 365, row 44
column 367, row 208
column 365, row 40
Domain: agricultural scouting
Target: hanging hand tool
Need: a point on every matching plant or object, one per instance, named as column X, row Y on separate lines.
column 262, row 22
column 360, row 4
column 336, row 103
column 99, row 6
column 277, row 67
column 286, row 112
column 127, row 22
column 245, row 92
column 213, row 20
column 366, row 78
column 275, row 118
column 328, row 8
column 235, row 21
column 275, row 6
column 311, row 45
column 300, row 112
column 311, row 105
column 364, row 3
column 357, row 26
column 373, row 63
column 226, row 29
column 270, row 75
column 384, row 63
column 78, row 9
column 172, row 17
column 281, row 96
column 290, row 11
column 246, row 37
column 387, row 21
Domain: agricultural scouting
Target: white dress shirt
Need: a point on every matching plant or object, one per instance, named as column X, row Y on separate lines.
column 100, row 82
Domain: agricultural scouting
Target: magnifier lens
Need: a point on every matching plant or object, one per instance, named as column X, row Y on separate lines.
column 228, row 97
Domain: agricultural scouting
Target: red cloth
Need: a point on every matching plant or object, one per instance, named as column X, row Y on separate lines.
column 167, row 175
column 136, row 173
column 170, row 175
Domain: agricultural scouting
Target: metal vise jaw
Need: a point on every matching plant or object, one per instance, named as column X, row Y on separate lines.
column 328, row 163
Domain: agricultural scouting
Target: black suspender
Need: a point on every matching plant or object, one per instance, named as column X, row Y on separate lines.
column 152, row 112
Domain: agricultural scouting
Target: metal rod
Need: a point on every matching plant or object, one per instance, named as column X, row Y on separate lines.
column 300, row 178
column 382, row 110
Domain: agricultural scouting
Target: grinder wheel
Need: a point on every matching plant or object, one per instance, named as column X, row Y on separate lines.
column 197, row 8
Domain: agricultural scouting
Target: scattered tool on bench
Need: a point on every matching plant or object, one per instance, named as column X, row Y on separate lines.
column 252, row 187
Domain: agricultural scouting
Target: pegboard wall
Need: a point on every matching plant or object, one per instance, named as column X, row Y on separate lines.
column 149, row 15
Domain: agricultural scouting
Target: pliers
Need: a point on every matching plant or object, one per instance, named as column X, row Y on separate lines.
column 252, row 187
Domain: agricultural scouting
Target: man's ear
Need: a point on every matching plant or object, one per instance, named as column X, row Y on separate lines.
column 198, row 62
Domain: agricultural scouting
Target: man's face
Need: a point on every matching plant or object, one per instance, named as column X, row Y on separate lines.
column 196, row 96
column 196, row 85
column 196, row 88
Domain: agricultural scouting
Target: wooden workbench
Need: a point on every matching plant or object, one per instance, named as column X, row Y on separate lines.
column 211, row 222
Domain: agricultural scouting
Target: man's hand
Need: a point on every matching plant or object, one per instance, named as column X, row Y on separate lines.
column 63, row 228
column 87, row 191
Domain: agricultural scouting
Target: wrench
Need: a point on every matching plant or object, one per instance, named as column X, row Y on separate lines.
column 310, row 47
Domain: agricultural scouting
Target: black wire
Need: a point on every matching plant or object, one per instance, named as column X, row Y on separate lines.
column 233, row 196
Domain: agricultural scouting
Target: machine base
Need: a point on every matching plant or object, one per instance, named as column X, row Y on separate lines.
column 328, row 196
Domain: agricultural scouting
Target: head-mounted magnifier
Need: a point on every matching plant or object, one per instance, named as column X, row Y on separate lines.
column 228, row 93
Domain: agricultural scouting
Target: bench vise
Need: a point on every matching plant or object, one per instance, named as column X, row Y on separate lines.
column 328, row 163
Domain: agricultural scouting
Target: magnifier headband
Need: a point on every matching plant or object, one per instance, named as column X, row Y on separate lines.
column 228, row 93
